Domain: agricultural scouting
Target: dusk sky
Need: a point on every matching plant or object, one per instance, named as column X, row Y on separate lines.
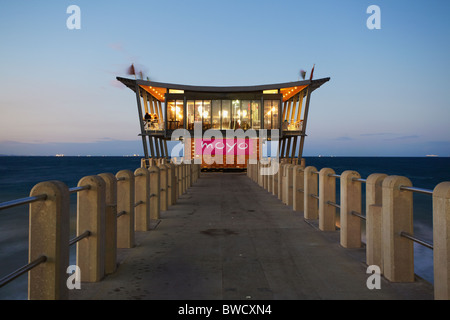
column 388, row 94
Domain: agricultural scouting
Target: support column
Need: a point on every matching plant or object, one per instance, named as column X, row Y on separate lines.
column 110, row 222
column 441, row 240
column 91, row 217
column 142, row 199
column 125, row 203
column 374, row 213
column 49, row 236
column 327, row 192
column 298, row 188
column 163, row 187
column 288, row 184
column 398, row 251
column 155, row 191
column 350, row 201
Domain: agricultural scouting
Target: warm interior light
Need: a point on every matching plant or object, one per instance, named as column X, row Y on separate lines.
column 272, row 91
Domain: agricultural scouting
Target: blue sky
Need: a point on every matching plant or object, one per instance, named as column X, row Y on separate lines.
column 388, row 94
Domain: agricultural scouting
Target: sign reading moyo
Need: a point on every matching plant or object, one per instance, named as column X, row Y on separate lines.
column 211, row 147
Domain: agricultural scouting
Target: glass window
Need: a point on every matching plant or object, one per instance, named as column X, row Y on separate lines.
column 198, row 110
column 190, row 114
column 179, row 111
column 206, row 114
column 256, row 116
column 216, row 112
column 226, row 114
column 271, row 114
column 174, row 114
column 246, row 114
column 236, row 114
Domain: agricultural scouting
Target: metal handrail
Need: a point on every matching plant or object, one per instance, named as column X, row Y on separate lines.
column 418, row 190
column 417, row 240
column 13, row 275
column 334, row 175
column 334, row 204
column 22, row 201
column 85, row 234
column 358, row 215
column 121, row 213
column 78, row 189
column 314, row 196
column 138, row 203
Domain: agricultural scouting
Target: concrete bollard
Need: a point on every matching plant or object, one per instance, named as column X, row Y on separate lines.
column 125, row 204
column 374, row 212
column 142, row 199
column 155, row 192
column 298, row 188
column 184, row 177
column 173, row 183
column 441, row 240
column 288, row 184
column 49, row 236
column 398, row 251
column 163, row 197
column 170, row 185
column 91, row 217
column 311, row 211
column 110, row 222
column 270, row 179
column 350, row 233
column 327, row 193
column 281, row 174
column 275, row 178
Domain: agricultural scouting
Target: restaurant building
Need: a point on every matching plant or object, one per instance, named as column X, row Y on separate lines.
column 206, row 114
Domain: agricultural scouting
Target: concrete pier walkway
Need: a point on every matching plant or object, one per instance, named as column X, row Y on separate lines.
column 227, row 238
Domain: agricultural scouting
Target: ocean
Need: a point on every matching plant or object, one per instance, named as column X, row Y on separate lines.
column 18, row 175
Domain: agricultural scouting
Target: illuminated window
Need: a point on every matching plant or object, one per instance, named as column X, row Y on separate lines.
column 256, row 116
column 175, row 91
column 271, row 120
column 226, row 114
column 274, row 91
column 174, row 114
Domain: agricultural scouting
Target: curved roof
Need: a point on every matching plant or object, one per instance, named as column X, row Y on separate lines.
column 159, row 88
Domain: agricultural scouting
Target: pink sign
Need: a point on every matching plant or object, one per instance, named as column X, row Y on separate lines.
column 223, row 146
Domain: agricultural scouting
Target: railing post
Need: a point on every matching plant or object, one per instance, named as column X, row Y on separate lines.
column 260, row 176
column 281, row 174
column 110, row 222
column 441, row 240
column 275, row 178
column 311, row 211
column 163, row 187
column 398, row 252
column 374, row 212
column 183, row 182
column 91, row 217
column 270, row 178
column 155, row 192
column 142, row 199
column 170, row 186
column 49, row 236
column 173, row 183
column 298, row 188
column 327, row 192
column 350, row 233
column 288, row 184
column 125, row 202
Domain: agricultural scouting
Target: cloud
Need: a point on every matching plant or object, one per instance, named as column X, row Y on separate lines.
column 376, row 134
column 344, row 139
column 403, row 138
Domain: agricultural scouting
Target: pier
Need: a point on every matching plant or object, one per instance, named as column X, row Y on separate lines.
column 172, row 232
